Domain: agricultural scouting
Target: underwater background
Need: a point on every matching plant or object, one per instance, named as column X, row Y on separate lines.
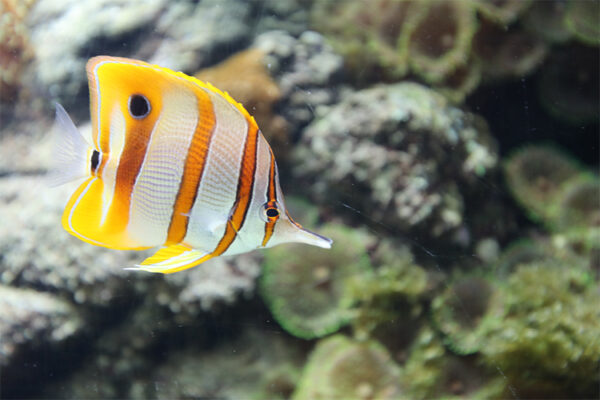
column 450, row 149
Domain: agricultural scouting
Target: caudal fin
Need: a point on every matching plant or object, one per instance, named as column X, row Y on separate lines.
column 71, row 152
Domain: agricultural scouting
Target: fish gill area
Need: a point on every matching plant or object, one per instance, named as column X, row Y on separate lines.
column 450, row 149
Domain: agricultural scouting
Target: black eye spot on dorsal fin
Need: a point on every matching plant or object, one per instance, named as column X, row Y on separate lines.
column 272, row 212
column 95, row 160
column 139, row 106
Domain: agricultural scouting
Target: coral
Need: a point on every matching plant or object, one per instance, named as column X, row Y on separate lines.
column 509, row 53
column 390, row 150
column 578, row 204
column 438, row 36
column 546, row 19
column 463, row 81
column 366, row 34
column 582, row 19
column 393, row 288
column 279, row 383
column 29, row 320
column 519, row 252
column 15, row 49
column 306, row 288
column 546, row 332
column 430, row 372
column 340, row 368
column 281, row 15
column 306, row 70
column 245, row 77
column 568, row 84
column 239, row 367
column 390, row 38
column 79, row 30
column 502, row 12
column 458, row 311
column 535, row 175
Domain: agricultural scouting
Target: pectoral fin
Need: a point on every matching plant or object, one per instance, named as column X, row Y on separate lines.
column 173, row 258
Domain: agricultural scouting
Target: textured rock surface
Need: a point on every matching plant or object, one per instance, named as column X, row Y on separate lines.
column 398, row 152
column 235, row 370
column 64, row 36
column 306, row 70
column 182, row 35
column 29, row 319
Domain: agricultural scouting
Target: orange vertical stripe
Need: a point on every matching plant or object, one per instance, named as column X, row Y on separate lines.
column 244, row 192
column 194, row 167
column 272, row 197
column 130, row 163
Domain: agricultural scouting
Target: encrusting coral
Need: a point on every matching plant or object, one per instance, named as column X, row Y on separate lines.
column 390, row 291
column 503, row 12
column 458, row 311
column 579, row 204
column 368, row 37
column 342, row 368
column 306, row 288
column 567, row 86
column 440, row 42
column 431, row 372
column 546, row 19
column 15, row 50
column 535, row 175
column 438, row 36
column 556, row 190
column 582, row 20
column 398, row 152
column 507, row 54
column 545, row 337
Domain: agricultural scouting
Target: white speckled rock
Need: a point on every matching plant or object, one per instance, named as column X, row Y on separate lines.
column 63, row 33
column 29, row 318
column 399, row 153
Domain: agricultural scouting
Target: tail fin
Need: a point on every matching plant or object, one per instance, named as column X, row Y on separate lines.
column 71, row 153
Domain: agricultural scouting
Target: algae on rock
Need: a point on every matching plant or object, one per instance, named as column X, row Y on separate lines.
column 546, row 335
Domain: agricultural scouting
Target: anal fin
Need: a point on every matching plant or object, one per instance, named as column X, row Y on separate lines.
column 173, row 258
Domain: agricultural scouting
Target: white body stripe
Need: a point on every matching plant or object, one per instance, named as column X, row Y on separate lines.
column 253, row 230
column 157, row 184
column 116, row 143
column 218, row 184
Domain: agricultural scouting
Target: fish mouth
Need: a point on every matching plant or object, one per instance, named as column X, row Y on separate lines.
column 312, row 238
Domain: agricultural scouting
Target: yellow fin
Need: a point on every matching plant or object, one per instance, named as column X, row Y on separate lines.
column 173, row 258
column 83, row 219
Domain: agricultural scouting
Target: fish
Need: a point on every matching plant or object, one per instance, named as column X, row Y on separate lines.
column 173, row 163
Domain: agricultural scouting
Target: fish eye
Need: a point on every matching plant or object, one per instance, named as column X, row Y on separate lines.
column 139, row 106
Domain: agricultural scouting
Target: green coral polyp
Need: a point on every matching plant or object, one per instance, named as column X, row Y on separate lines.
column 548, row 328
column 458, row 313
column 535, row 176
column 579, row 204
column 306, row 288
column 341, row 368
column 582, row 20
column 439, row 37
column 502, row 11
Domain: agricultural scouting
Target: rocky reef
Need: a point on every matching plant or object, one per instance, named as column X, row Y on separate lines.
column 409, row 155
column 449, row 148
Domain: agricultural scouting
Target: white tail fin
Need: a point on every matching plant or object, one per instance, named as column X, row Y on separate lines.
column 71, row 153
